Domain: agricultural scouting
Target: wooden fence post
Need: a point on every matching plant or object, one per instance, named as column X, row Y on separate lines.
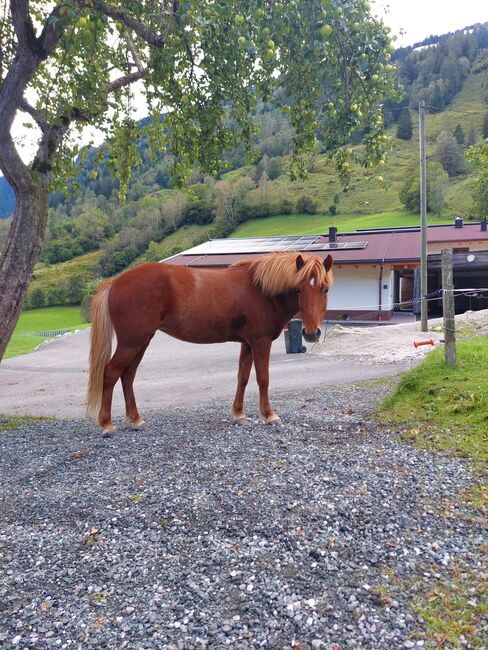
column 448, row 308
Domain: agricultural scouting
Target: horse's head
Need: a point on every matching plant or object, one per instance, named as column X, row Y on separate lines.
column 312, row 299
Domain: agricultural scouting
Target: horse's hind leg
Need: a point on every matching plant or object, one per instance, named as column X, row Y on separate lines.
column 122, row 357
column 127, row 378
column 245, row 365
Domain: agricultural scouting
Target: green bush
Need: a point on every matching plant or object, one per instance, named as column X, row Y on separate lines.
column 37, row 299
column 307, row 204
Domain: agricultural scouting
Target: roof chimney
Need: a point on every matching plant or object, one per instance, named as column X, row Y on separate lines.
column 458, row 222
column 483, row 224
column 332, row 234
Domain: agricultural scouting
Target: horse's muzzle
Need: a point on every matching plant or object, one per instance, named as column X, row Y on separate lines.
column 311, row 338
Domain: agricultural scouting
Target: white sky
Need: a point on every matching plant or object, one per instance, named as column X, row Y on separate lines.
column 417, row 18
column 421, row 18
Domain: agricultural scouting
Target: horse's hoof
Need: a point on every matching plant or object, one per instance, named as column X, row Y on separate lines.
column 272, row 419
column 242, row 421
column 138, row 424
column 108, row 430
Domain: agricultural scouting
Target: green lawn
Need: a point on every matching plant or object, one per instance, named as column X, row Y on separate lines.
column 302, row 224
column 46, row 319
column 445, row 408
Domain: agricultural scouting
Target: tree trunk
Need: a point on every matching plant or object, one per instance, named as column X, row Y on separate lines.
column 23, row 247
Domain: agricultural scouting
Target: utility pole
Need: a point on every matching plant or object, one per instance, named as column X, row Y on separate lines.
column 423, row 220
column 448, row 307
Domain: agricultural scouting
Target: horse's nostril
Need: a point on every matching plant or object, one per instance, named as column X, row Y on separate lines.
column 319, row 332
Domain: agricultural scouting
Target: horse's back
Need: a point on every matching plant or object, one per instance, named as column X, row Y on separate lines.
column 196, row 305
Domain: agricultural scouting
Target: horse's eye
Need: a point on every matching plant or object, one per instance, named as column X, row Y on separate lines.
column 326, row 290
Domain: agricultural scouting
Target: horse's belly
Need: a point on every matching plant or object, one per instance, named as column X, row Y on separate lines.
column 202, row 332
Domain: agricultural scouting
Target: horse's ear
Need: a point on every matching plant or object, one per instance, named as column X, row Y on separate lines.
column 328, row 263
column 300, row 262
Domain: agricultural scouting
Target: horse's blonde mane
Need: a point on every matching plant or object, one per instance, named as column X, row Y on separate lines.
column 277, row 273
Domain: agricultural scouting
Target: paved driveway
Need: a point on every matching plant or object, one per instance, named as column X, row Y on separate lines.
column 52, row 380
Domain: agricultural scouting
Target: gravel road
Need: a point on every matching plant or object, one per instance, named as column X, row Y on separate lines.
column 195, row 533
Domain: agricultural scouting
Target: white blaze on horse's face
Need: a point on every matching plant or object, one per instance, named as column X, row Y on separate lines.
column 313, row 303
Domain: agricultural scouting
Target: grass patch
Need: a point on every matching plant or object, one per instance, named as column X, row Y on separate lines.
column 12, row 422
column 445, row 408
column 46, row 319
column 454, row 609
column 302, row 224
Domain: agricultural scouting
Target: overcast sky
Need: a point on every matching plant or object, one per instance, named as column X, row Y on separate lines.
column 421, row 18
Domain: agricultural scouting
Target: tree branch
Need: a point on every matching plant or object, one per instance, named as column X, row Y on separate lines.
column 22, row 21
column 51, row 33
column 126, row 80
column 119, row 14
column 133, row 51
column 34, row 113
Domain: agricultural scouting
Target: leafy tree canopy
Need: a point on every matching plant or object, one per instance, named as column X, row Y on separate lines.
column 201, row 64
column 479, row 157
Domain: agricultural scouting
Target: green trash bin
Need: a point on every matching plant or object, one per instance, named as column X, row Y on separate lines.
column 293, row 337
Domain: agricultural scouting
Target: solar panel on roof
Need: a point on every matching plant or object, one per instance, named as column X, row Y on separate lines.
column 269, row 244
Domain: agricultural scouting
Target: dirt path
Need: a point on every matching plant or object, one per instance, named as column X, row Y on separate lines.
column 395, row 343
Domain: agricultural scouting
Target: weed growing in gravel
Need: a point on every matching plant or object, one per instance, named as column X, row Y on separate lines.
column 453, row 611
column 11, row 422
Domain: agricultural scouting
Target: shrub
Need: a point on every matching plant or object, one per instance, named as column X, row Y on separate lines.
column 37, row 299
column 307, row 204
column 287, row 206
column 55, row 296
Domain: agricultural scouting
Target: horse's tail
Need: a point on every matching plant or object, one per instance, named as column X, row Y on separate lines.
column 100, row 348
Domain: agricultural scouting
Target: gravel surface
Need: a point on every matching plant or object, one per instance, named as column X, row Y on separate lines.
column 196, row 533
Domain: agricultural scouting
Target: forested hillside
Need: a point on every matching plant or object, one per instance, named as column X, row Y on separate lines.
column 449, row 72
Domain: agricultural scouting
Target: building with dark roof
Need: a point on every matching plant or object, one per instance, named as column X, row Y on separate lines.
column 376, row 271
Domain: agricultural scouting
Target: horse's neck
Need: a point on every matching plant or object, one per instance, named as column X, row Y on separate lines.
column 286, row 305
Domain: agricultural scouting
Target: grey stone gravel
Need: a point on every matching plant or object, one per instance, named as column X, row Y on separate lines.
column 199, row 534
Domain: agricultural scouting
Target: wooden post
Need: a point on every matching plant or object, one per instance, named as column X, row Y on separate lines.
column 448, row 308
column 423, row 220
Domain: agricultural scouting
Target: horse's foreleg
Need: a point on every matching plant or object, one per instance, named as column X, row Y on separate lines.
column 245, row 365
column 122, row 357
column 261, row 352
column 127, row 378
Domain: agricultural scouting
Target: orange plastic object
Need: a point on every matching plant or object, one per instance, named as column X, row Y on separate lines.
column 429, row 342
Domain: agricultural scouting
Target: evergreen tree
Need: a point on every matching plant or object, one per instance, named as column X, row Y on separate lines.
column 459, row 134
column 404, row 128
column 472, row 137
column 437, row 184
column 450, row 154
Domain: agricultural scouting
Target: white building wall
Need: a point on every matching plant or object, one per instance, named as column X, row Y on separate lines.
column 356, row 287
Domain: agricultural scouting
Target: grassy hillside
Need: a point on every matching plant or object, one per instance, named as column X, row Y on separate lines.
column 183, row 238
column 35, row 321
column 367, row 197
column 48, row 275
column 302, row 224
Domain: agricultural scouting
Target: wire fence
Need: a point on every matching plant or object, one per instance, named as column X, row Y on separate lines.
column 371, row 313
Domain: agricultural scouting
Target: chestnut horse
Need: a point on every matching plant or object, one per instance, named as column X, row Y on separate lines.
column 249, row 302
